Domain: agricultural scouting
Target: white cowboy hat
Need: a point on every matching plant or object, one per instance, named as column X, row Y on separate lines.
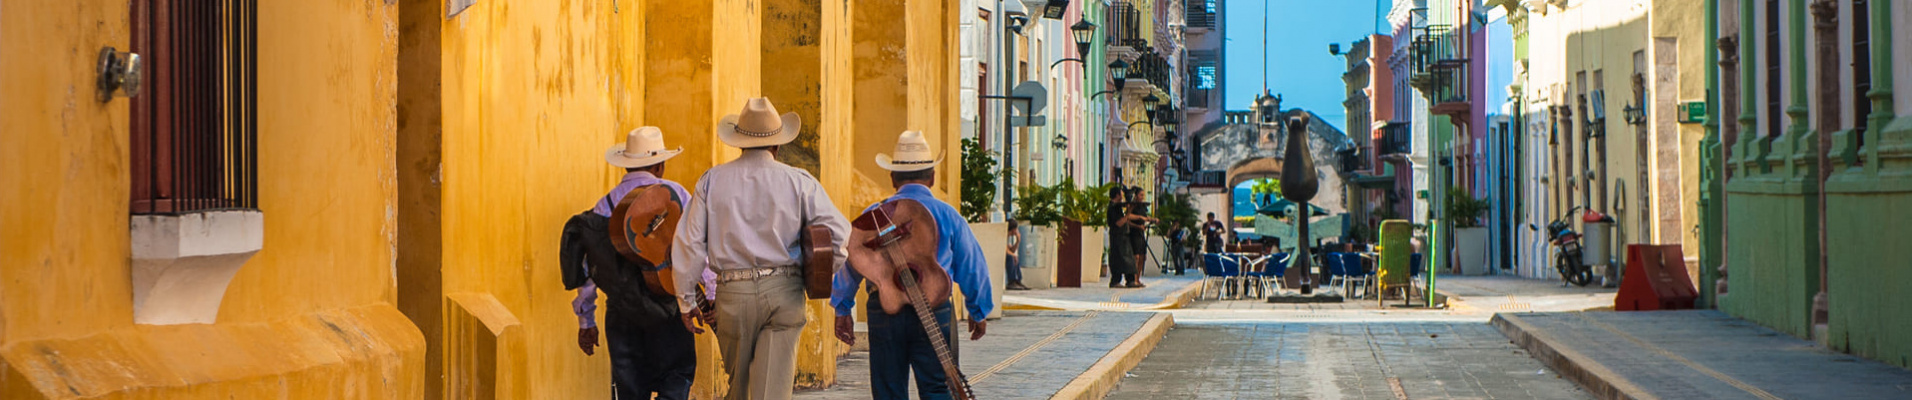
column 758, row 126
column 643, row 147
column 912, row 154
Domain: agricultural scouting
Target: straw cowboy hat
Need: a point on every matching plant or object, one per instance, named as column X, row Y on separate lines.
column 912, row 154
column 758, row 126
column 644, row 147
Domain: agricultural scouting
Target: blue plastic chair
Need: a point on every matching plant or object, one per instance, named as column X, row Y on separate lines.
column 1336, row 273
column 1356, row 267
column 1257, row 275
column 1231, row 271
column 1274, row 267
column 1211, row 270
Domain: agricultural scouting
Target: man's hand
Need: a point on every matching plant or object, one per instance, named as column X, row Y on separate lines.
column 977, row 328
column 846, row 329
column 692, row 317
column 587, row 339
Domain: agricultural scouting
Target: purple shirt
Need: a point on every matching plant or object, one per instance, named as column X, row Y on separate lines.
column 585, row 305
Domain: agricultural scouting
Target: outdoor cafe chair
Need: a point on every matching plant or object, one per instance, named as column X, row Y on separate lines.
column 1357, row 267
column 1337, row 275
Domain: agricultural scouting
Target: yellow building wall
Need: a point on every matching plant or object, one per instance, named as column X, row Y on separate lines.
column 309, row 316
column 535, row 92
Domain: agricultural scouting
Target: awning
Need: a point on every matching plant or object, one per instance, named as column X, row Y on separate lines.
column 1374, row 181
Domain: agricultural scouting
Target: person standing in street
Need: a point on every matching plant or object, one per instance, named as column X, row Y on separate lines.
column 1013, row 265
column 1121, row 260
column 1212, row 235
column 898, row 342
column 1138, row 234
column 744, row 221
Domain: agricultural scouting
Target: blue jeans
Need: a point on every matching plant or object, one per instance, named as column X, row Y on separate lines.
column 898, row 345
column 1014, row 269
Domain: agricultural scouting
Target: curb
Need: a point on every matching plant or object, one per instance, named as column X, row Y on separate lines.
column 1179, row 298
column 1595, row 378
column 1174, row 301
column 1105, row 374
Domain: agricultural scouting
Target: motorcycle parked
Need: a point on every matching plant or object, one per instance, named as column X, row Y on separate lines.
column 1567, row 261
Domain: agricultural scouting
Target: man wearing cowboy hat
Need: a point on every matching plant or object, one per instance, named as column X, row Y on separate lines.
column 650, row 352
column 744, row 222
column 898, row 342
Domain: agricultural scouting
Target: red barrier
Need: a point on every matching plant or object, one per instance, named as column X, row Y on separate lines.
column 1655, row 279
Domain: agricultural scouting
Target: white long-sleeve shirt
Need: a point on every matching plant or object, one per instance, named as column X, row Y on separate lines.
column 747, row 214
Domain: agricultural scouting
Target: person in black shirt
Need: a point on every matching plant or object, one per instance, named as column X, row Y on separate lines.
column 1138, row 222
column 1212, row 234
column 1121, row 261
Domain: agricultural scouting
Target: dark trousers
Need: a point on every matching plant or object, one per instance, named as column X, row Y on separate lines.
column 899, row 345
column 649, row 356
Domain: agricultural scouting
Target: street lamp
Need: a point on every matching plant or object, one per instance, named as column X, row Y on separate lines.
column 1017, row 16
column 1084, row 33
column 1148, row 103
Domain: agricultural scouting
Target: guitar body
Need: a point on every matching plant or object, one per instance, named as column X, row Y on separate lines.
column 912, row 235
column 819, row 259
column 642, row 227
column 894, row 247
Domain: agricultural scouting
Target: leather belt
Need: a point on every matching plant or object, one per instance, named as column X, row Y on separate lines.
column 750, row 274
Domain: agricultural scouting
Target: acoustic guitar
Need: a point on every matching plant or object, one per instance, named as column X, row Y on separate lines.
column 642, row 227
column 895, row 249
column 818, row 246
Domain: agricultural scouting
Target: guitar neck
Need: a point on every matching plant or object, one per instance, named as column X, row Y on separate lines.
column 958, row 384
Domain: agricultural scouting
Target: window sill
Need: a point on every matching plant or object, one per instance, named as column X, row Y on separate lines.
column 182, row 263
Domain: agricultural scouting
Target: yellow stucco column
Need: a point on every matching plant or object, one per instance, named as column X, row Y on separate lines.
column 793, row 53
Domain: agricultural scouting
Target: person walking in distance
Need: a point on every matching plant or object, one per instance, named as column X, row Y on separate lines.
column 744, row 221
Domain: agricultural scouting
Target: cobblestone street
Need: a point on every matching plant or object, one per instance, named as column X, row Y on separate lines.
column 1374, row 360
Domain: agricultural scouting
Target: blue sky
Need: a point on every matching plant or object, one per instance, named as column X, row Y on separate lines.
column 1299, row 67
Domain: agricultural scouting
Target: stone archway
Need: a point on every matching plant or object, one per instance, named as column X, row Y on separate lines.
column 1247, row 170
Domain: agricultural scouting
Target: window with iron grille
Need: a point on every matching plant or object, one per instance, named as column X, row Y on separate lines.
column 1861, row 67
column 194, row 131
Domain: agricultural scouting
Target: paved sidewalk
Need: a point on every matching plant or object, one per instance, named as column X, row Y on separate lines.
column 1497, row 294
column 1696, row 355
column 1026, row 355
column 1161, row 290
column 1368, row 360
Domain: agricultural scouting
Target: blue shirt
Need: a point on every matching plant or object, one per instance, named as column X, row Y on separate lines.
column 956, row 251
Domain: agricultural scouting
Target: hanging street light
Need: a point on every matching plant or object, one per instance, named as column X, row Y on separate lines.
column 1084, row 34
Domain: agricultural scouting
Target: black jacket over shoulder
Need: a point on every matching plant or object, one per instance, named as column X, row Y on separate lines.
column 586, row 242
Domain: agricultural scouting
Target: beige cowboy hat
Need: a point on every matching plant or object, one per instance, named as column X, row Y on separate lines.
column 758, row 125
column 643, row 147
column 912, row 154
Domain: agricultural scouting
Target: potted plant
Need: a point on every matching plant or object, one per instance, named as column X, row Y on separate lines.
column 1470, row 238
column 978, row 200
column 1083, row 211
column 1037, row 210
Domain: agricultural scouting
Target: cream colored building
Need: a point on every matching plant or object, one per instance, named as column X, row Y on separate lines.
column 1635, row 63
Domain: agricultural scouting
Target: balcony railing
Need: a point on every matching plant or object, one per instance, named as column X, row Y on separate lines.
column 1396, row 138
column 1152, row 67
column 1125, row 25
column 1440, row 68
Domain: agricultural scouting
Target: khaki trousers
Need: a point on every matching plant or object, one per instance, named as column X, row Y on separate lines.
column 758, row 322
